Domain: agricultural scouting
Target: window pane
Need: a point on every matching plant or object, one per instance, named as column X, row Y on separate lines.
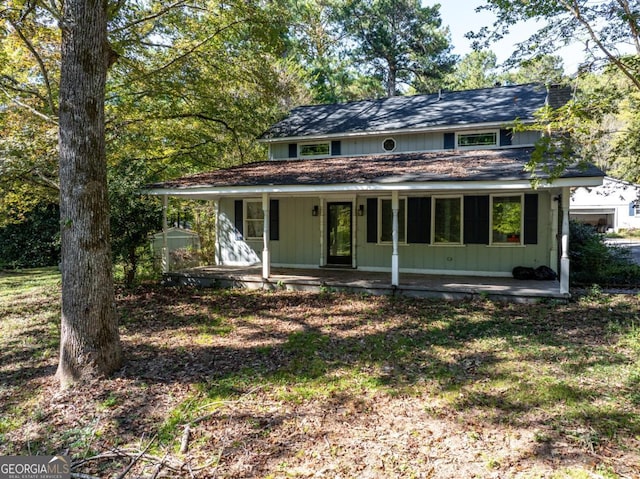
column 447, row 220
column 254, row 210
column 387, row 221
column 507, row 219
column 254, row 229
column 315, row 149
column 478, row 139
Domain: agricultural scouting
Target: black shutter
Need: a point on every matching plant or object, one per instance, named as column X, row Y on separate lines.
column 335, row 148
column 293, row 150
column 274, row 220
column 372, row 220
column 239, row 217
column 531, row 219
column 419, row 220
column 449, row 141
column 506, row 137
column 476, row 220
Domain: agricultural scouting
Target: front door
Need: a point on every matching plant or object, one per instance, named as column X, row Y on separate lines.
column 339, row 233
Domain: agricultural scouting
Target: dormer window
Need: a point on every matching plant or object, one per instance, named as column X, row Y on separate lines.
column 314, row 149
column 477, row 139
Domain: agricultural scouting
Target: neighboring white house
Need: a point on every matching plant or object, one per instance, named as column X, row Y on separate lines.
column 611, row 206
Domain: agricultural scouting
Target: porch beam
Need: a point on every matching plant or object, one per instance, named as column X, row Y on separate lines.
column 395, row 264
column 564, row 258
column 165, row 239
column 266, row 260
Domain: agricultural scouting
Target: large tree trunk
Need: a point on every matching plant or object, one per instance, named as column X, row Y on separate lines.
column 89, row 343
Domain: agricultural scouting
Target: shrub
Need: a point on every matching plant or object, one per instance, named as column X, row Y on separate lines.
column 34, row 242
column 595, row 262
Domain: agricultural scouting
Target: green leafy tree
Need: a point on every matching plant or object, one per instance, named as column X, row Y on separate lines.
column 133, row 216
column 544, row 69
column 398, row 41
column 315, row 43
column 608, row 29
column 477, row 69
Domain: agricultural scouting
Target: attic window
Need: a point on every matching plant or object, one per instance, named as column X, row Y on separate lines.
column 314, row 149
column 389, row 144
column 477, row 139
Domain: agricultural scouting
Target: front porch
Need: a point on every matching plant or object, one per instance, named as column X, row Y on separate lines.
column 367, row 282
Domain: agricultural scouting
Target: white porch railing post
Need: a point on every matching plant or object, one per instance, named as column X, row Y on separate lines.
column 165, row 240
column 395, row 265
column 564, row 259
column 266, row 260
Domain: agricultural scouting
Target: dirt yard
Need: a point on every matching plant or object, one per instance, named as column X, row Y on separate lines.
column 234, row 384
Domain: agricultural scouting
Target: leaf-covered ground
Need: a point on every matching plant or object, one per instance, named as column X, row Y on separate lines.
column 329, row 385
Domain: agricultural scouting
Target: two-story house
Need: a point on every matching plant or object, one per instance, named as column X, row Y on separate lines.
column 427, row 184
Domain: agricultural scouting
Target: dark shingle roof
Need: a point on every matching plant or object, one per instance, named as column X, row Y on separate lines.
column 487, row 165
column 493, row 105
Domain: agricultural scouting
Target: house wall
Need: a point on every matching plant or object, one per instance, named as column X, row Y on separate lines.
column 368, row 145
column 299, row 244
column 466, row 259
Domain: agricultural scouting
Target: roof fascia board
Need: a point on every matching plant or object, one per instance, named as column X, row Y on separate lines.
column 373, row 187
column 399, row 131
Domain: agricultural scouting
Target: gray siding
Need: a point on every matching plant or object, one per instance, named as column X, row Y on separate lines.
column 524, row 138
column 473, row 257
column 404, row 143
column 299, row 244
column 299, row 241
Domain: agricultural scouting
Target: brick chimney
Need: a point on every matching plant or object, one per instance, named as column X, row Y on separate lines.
column 558, row 95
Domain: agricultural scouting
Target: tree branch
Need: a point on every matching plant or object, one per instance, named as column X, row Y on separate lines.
column 177, row 4
column 624, row 4
column 574, row 8
column 29, row 108
column 43, row 68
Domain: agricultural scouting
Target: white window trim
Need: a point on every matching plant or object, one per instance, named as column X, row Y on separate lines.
column 477, row 147
column 506, row 195
column 433, row 221
column 300, row 145
column 246, row 220
column 406, row 208
column 636, row 210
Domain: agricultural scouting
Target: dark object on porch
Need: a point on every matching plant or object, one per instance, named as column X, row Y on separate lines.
column 522, row 272
column 544, row 273
column 541, row 273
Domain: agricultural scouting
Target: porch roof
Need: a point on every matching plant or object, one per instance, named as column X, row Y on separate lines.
column 473, row 169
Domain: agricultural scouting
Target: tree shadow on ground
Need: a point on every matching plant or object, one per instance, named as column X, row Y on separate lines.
column 502, row 364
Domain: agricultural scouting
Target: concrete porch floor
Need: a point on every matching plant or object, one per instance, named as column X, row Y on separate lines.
column 356, row 281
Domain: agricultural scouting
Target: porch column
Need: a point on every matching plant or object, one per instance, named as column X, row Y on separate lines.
column 564, row 259
column 165, row 241
column 216, row 231
column 395, row 265
column 266, row 260
column 553, row 227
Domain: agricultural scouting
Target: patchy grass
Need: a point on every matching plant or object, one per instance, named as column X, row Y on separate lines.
column 331, row 385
